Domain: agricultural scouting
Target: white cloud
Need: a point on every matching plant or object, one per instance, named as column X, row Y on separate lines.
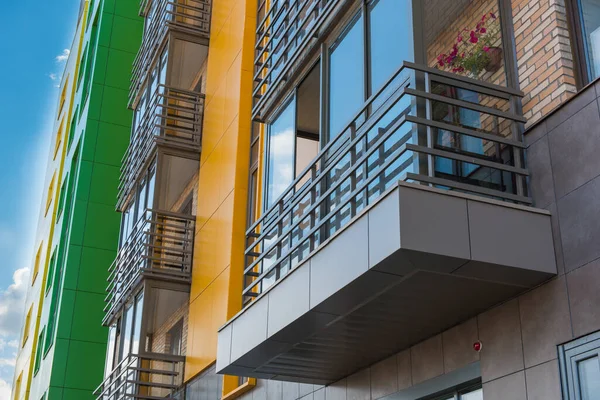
column 5, row 390
column 53, row 76
column 12, row 304
column 64, row 56
column 8, row 362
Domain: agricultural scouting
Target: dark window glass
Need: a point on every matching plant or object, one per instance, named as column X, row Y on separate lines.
column 346, row 77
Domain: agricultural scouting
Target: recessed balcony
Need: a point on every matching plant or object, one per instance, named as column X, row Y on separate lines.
column 172, row 118
column 413, row 218
column 148, row 376
column 188, row 17
column 159, row 247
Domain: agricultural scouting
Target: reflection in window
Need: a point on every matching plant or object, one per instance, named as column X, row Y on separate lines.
column 391, row 40
column 580, row 368
column 110, row 350
column 589, row 378
column 281, row 153
column 346, row 77
column 127, row 332
column 471, row 393
column 137, row 328
column 589, row 11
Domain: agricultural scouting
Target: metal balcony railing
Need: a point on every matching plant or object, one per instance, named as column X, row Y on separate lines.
column 160, row 246
column 283, row 32
column 187, row 16
column 148, row 376
column 173, row 118
column 423, row 125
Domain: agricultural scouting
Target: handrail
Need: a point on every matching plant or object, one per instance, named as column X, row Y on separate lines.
column 173, row 117
column 136, row 371
column 160, row 244
column 301, row 217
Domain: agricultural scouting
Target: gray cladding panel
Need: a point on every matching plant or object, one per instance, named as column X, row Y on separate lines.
column 283, row 308
column 384, row 230
column 511, row 237
column 384, row 284
column 340, row 262
column 434, row 223
column 250, row 329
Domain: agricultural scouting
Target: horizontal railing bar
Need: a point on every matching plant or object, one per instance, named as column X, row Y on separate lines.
column 468, row 188
column 475, row 82
column 465, row 131
column 466, row 104
column 470, row 160
column 287, row 30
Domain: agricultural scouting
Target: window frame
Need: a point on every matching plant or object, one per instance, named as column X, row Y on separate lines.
column 569, row 355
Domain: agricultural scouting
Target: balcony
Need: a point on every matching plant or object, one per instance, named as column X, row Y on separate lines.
column 284, row 32
column 149, row 376
column 159, row 247
column 413, row 219
column 173, row 118
column 190, row 17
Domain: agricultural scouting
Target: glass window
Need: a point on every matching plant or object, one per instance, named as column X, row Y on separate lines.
column 580, row 368
column 110, row 350
column 470, row 393
column 281, row 153
column 137, row 329
column 391, row 38
column 346, row 77
column 176, row 339
column 589, row 378
column 127, row 332
column 589, row 14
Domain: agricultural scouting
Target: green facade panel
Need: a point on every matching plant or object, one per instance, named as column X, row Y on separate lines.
column 90, row 226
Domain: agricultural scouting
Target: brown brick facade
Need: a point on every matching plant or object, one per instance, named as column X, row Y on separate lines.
column 543, row 48
column 544, row 55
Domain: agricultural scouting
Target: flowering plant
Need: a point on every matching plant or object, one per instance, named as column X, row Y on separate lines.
column 473, row 50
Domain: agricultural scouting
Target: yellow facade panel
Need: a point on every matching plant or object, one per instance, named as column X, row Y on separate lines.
column 223, row 179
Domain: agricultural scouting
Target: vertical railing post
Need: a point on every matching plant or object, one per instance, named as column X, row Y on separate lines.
column 429, row 117
column 518, row 154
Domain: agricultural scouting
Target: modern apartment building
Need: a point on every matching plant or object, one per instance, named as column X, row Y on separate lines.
column 63, row 343
column 353, row 200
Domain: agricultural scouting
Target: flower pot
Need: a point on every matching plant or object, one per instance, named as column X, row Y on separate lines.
column 495, row 59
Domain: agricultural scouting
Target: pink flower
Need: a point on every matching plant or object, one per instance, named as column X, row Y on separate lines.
column 474, row 38
column 493, row 15
column 482, row 30
column 486, row 48
column 459, row 39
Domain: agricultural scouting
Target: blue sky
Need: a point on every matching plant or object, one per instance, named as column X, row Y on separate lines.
column 34, row 33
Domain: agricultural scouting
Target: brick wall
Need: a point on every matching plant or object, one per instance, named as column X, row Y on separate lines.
column 544, row 55
column 161, row 341
column 467, row 18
